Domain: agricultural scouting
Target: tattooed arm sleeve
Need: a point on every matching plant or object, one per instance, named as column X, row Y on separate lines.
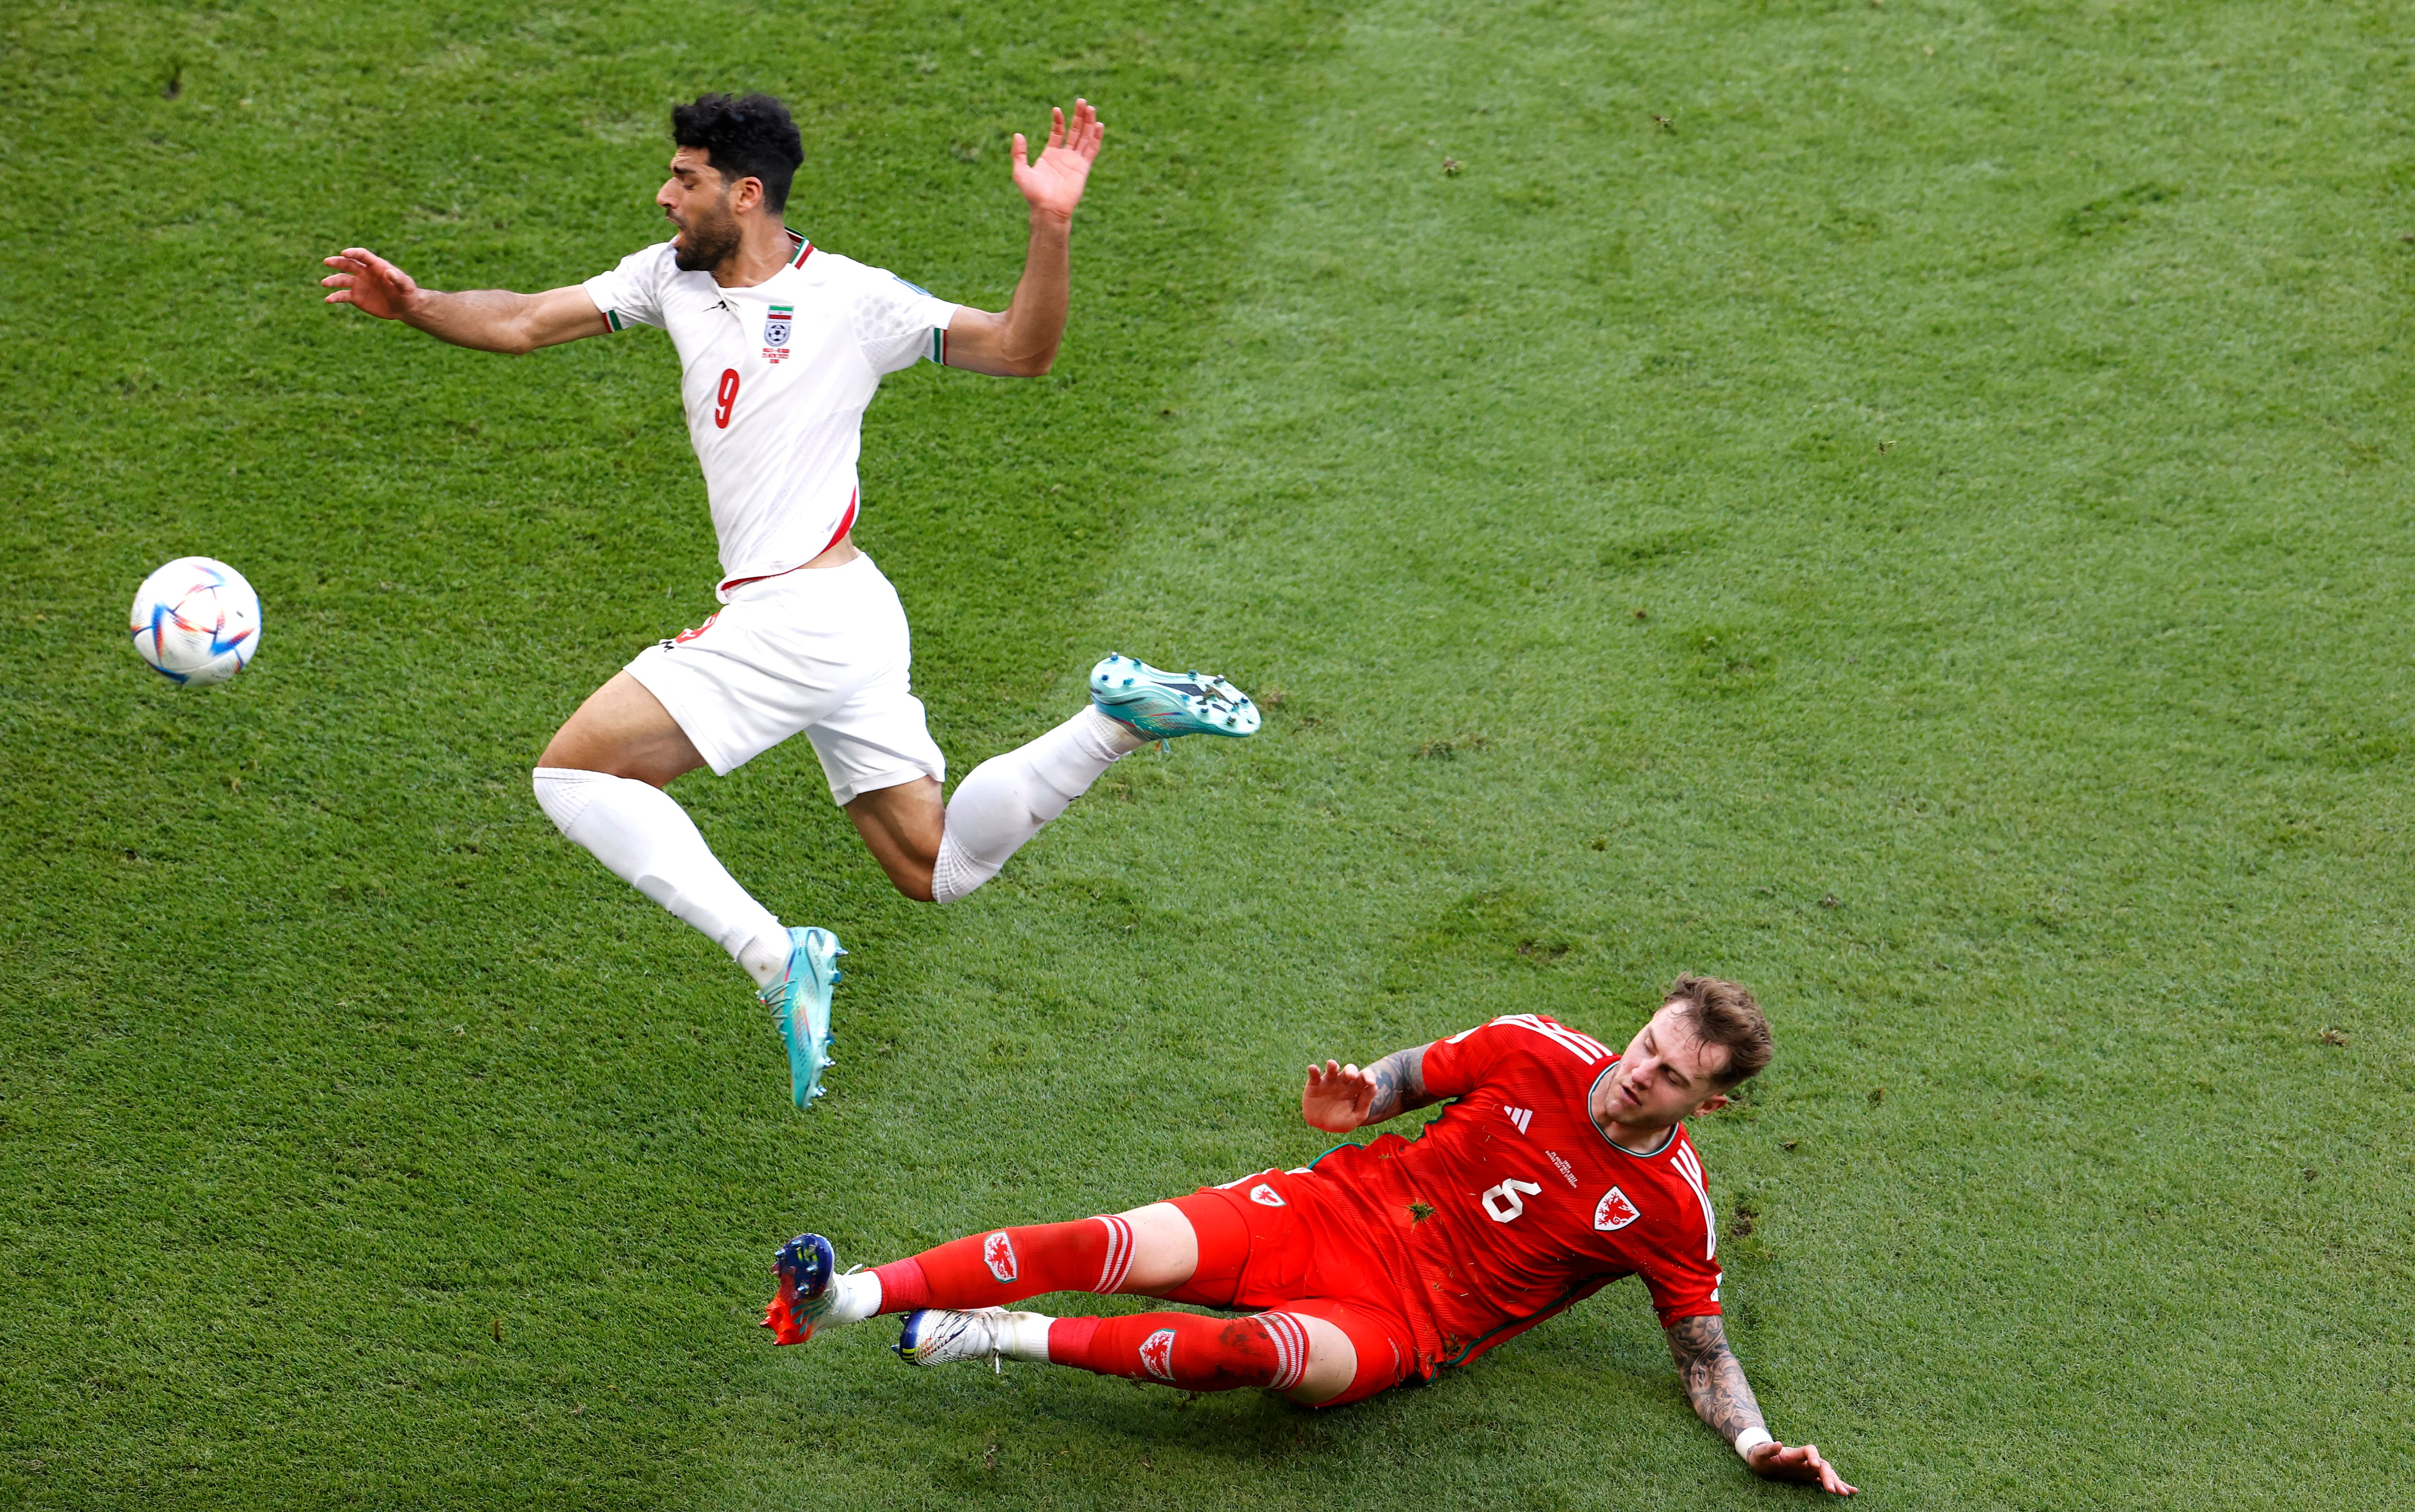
column 1713, row 1378
column 1400, row 1085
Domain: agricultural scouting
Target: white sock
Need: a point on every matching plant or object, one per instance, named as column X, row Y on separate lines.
column 646, row 840
column 1115, row 734
column 1025, row 1336
column 1008, row 798
column 854, row 1296
column 766, row 956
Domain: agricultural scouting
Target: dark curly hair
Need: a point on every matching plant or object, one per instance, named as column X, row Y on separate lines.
column 747, row 136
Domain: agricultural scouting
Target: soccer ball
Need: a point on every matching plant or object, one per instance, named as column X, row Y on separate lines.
column 196, row 622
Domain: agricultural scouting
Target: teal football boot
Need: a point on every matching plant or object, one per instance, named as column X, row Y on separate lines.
column 801, row 1005
column 1162, row 705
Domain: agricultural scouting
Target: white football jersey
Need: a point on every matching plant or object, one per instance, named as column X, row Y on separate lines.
column 776, row 379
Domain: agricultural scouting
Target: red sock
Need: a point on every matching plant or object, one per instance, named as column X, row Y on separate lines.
column 1185, row 1350
column 1007, row 1265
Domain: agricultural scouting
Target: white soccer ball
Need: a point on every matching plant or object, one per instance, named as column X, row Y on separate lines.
column 196, row 622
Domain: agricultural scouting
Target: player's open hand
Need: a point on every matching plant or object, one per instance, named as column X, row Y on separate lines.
column 369, row 284
column 1775, row 1462
column 1054, row 182
column 1337, row 1098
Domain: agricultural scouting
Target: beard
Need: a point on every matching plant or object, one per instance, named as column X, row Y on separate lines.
column 705, row 246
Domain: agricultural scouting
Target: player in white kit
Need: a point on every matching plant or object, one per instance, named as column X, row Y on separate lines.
column 781, row 346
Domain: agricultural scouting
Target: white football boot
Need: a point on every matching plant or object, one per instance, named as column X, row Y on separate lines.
column 938, row 1336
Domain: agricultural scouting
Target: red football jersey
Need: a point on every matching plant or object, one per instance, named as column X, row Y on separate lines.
column 1514, row 1205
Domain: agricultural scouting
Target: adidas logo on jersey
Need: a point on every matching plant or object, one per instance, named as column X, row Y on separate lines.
column 1521, row 1117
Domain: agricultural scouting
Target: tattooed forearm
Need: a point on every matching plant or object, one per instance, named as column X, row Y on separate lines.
column 1713, row 1378
column 1400, row 1085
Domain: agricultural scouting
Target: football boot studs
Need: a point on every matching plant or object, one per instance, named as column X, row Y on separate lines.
column 803, row 1268
column 800, row 1006
column 1165, row 704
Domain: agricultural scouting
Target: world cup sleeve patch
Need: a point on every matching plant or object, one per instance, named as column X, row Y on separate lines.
column 1613, row 1211
column 776, row 326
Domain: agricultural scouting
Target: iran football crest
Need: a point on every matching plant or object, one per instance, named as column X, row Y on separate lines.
column 1614, row 1212
column 1157, row 1353
column 997, row 1253
column 775, row 332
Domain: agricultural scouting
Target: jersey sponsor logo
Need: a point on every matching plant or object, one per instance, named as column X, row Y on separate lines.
column 1568, row 1172
column 1614, row 1212
column 997, row 1253
column 1265, row 1196
column 1504, row 1204
column 1157, row 1353
column 776, row 326
column 1521, row 1117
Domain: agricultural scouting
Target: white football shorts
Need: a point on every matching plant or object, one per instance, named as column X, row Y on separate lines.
column 824, row 650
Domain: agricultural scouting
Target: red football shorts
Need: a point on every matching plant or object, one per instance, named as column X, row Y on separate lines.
column 1274, row 1243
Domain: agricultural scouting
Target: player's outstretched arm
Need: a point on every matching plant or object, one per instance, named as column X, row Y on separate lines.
column 1022, row 342
column 1339, row 1099
column 1723, row 1398
column 488, row 320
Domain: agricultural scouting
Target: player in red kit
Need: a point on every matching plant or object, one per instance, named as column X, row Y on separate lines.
column 1557, row 1168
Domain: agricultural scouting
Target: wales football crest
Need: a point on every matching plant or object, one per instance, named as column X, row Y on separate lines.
column 776, row 331
column 1614, row 1212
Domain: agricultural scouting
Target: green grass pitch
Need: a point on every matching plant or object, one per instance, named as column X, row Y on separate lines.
column 1905, row 504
